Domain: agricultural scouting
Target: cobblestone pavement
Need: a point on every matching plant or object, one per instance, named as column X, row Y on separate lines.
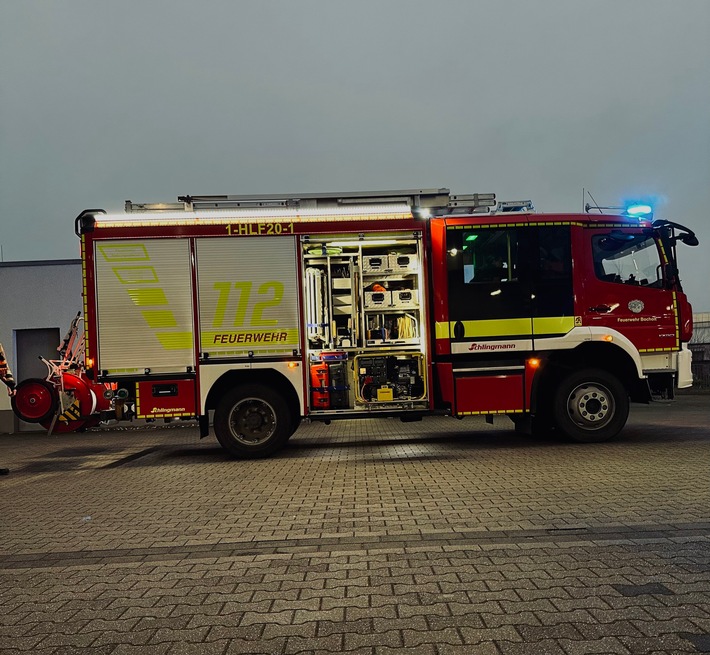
column 371, row 536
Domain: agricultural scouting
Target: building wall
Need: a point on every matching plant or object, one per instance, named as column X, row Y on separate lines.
column 34, row 295
column 700, row 347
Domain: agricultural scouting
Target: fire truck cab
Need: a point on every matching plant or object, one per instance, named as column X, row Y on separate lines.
column 249, row 313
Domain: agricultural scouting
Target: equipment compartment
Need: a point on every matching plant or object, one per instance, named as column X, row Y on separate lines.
column 392, row 377
column 364, row 323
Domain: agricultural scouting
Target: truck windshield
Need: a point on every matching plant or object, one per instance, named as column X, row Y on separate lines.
column 627, row 259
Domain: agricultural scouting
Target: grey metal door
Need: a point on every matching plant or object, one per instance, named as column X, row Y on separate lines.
column 29, row 346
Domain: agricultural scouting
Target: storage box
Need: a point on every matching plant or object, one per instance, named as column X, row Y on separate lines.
column 375, row 264
column 375, row 299
column 405, row 299
column 341, row 283
column 403, row 263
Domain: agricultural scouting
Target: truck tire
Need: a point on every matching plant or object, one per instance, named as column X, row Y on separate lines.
column 295, row 424
column 252, row 421
column 590, row 406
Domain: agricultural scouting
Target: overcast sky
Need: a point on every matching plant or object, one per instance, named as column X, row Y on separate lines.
column 105, row 100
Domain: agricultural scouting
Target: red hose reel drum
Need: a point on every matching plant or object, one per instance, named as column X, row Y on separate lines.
column 37, row 401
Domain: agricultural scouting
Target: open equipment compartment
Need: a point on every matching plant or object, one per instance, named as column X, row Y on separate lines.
column 364, row 322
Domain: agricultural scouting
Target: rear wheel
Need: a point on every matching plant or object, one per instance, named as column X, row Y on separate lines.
column 35, row 400
column 590, row 406
column 252, row 421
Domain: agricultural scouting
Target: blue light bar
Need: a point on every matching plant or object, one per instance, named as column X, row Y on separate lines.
column 639, row 210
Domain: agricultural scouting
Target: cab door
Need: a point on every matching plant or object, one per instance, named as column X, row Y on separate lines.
column 489, row 317
column 489, row 293
column 509, row 287
column 626, row 290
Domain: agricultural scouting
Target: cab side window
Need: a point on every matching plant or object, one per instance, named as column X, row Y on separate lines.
column 485, row 273
column 489, row 256
column 624, row 258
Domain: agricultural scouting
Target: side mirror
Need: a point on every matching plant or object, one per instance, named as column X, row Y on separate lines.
column 689, row 239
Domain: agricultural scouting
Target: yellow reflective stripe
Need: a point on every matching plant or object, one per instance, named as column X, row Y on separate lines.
column 525, row 224
column 159, row 318
column 148, row 296
column 553, row 324
column 124, row 252
column 441, row 330
column 657, row 350
column 504, row 327
column 491, row 411
column 508, row 327
column 136, row 274
column 175, row 340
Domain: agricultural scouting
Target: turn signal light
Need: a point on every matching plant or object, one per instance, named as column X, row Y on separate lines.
column 533, row 362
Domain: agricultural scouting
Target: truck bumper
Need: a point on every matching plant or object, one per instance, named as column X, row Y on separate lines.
column 685, row 374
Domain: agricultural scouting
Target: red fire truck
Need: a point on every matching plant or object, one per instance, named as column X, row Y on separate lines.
column 250, row 313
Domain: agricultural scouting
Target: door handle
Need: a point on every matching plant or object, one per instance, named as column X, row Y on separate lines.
column 601, row 309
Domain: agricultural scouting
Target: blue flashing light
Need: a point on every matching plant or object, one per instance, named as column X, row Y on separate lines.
column 639, row 210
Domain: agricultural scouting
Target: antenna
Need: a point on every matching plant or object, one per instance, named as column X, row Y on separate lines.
column 587, row 207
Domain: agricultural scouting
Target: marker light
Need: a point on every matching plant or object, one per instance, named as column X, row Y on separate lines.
column 608, row 337
column 533, row 362
column 639, row 210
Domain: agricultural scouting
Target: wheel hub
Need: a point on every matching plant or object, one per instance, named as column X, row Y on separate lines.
column 34, row 400
column 252, row 421
column 591, row 406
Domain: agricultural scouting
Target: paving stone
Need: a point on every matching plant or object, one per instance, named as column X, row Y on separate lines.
column 465, row 649
column 542, row 647
column 208, row 648
column 392, row 638
column 533, row 633
column 265, row 647
column 396, row 532
column 129, row 649
column 413, row 638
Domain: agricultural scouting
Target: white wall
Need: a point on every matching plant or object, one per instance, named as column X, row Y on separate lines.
column 42, row 294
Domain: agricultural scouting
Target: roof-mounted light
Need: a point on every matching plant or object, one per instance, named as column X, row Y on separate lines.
column 208, row 216
column 639, row 210
column 633, row 209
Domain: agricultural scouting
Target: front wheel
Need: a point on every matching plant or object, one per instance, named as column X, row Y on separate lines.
column 252, row 421
column 590, row 406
